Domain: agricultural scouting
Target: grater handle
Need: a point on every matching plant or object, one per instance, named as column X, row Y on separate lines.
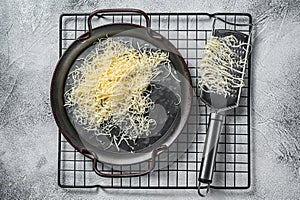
column 215, row 126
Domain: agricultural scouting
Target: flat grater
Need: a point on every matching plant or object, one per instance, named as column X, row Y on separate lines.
column 219, row 101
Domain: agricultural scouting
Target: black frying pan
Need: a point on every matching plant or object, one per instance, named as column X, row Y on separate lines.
column 175, row 115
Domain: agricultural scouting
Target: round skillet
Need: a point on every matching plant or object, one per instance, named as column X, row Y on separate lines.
column 174, row 111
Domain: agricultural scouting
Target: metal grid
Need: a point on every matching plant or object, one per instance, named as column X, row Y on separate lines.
column 189, row 33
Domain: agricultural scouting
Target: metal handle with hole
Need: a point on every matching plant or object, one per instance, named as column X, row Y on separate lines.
column 97, row 171
column 210, row 151
column 117, row 10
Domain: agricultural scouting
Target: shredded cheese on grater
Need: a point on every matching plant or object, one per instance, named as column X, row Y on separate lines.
column 109, row 90
column 222, row 68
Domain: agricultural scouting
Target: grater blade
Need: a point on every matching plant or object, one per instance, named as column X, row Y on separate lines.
column 219, row 101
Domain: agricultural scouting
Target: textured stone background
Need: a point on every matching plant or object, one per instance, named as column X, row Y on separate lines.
column 28, row 134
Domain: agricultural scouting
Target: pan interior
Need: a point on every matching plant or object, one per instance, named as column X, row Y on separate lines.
column 166, row 95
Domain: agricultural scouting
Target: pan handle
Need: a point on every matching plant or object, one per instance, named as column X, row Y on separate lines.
column 97, row 171
column 116, row 10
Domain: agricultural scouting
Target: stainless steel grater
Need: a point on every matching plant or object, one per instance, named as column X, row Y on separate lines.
column 220, row 103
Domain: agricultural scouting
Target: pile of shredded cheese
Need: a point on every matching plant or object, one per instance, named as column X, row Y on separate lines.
column 110, row 89
column 222, row 67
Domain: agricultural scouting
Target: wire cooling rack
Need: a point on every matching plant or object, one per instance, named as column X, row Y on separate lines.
column 189, row 32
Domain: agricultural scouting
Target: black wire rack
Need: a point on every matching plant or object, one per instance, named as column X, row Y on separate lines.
column 189, row 32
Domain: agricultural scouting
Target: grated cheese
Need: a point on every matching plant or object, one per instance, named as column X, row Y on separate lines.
column 221, row 66
column 109, row 90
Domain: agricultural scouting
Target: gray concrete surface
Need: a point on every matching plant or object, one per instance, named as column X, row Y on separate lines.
column 28, row 133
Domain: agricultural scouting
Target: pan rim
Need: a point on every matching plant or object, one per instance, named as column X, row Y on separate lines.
column 56, row 74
